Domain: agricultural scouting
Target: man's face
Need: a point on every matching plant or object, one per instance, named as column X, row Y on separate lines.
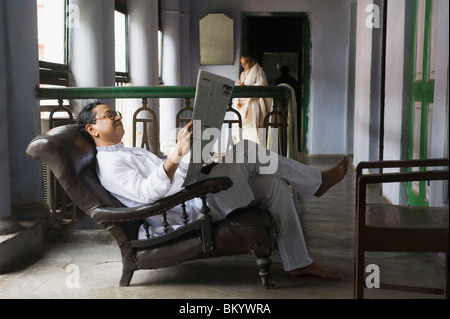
column 246, row 63
column 107, row 129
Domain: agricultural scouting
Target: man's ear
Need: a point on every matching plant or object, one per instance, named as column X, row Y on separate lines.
column 91, row 130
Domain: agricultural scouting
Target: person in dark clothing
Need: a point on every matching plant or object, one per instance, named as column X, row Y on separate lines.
column 288, row 79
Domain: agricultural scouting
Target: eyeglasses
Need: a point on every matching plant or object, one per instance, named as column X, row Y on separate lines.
column 247, row 62
column 109, row 114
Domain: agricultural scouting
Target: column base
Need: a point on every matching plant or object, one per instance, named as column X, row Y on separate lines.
column 21, row 248
column 31, row 211
column 9, row 225
column 22, row 236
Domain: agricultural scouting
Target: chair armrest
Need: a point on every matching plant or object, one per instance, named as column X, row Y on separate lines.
column 363, row 180
column 404, row 177
column 122, row 214
column 401, row 163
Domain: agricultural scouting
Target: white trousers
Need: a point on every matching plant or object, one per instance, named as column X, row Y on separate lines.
column 260, row 177
column 252, row 184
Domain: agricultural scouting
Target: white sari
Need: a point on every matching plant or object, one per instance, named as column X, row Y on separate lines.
column 253, row 110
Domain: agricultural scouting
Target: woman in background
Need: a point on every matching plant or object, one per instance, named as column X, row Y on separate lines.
column 252, row 110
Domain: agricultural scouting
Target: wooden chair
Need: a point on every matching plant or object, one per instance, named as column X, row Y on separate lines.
column 396, row 228
column 72, row 159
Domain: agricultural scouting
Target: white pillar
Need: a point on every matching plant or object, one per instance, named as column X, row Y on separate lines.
column 143, row 42
column 20, row 120
column 185, row 43
column 5, row 192
column 170, row 68
column 143, row 55
column 92, row 55
column 363, row 63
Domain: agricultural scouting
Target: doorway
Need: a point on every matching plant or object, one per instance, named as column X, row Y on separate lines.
column 280, row 39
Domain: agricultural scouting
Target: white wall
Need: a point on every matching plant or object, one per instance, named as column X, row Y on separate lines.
column 330, row 44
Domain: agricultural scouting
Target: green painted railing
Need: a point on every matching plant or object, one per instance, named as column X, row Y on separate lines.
column 125, row 92
column 279, row 95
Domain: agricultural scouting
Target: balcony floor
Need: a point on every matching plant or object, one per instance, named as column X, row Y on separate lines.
column 328, row 224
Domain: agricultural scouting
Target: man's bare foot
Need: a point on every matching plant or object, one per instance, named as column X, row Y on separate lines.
column 332, row 176
column 314, row 269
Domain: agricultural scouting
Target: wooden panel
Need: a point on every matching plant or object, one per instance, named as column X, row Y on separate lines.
column 406, row 217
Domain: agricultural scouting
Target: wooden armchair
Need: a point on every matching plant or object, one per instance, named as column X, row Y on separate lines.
column 71, row 157
column 395, row 228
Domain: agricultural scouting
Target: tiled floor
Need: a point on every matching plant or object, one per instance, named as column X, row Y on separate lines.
column 85, row 264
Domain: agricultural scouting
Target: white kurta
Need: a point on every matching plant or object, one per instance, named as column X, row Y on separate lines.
column 135, row 177
column 253, row 110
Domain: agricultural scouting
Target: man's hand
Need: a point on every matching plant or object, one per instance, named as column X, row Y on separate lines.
column 184, row 143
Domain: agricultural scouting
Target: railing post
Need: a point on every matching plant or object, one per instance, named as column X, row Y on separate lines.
column 150, row 141
column 277, row 119
column 186, row 108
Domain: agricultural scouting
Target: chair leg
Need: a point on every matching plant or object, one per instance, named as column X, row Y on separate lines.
column 126, row 278
column 264, row 266
column 446, row 277
column 359, row 275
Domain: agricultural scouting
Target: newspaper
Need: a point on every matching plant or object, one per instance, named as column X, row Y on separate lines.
column 212, row 95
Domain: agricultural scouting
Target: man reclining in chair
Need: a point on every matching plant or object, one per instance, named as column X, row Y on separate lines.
column 135, row 177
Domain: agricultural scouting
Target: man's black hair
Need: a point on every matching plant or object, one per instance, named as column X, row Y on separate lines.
column 85, row 117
